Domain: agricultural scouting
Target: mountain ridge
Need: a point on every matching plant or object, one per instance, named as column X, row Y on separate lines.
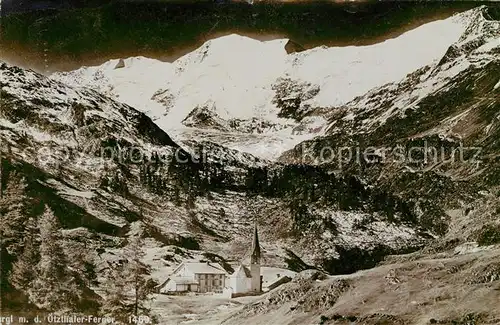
column 242, row 86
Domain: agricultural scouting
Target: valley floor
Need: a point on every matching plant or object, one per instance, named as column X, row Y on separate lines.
column 194, row 309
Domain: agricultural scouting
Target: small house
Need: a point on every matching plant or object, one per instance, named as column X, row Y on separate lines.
column 196, row 277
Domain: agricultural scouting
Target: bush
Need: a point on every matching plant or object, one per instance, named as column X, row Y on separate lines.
column 489, row 235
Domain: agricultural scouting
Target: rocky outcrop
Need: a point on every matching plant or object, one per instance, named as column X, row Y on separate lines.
column 120, row 64
column 204, row 118
column 293, row 47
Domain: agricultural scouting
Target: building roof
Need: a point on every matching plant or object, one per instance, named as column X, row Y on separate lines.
column 177, row 280
column 280, row 281
column 205, row 268
column 255, row 258
column 242, row 271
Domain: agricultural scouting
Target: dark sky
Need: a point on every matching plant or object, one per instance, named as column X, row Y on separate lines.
column 9, row 6
column 66, row 39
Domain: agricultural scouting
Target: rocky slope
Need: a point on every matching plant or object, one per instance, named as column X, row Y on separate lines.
column 437, row 129
column 446, row 289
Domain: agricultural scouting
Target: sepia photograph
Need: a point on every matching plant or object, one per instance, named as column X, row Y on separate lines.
column 249, row 162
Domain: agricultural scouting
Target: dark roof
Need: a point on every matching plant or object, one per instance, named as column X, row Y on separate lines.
column 255, row 247
column 245, row 269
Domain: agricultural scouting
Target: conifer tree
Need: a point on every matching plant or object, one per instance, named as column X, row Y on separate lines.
column 115, row 302
column 13, row 214
column 24, row 270
column 137, row 274
column 128, row 288
column 85, row 264
column 13, row 194
column 54, row 288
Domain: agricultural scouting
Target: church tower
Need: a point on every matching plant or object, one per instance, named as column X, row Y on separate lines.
column 255, row 263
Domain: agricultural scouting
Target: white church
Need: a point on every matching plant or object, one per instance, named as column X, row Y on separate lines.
column 245, row 280
column 212, row 278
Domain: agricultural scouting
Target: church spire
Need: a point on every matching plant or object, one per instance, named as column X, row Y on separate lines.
column 256, row 282
column 255, row 259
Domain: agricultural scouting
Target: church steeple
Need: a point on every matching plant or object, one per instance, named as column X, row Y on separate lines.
column 256, row 282
column 255, row 259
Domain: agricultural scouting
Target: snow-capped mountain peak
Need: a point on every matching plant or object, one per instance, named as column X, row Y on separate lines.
column 479, row 25
column 236, row 73
column 244, row 79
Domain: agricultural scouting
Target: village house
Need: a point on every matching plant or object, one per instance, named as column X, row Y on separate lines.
column 211, row 277
column 196, row 277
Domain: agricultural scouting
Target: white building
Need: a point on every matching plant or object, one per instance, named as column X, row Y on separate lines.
column 211, row 277
column 195, row 277
column 245, row 280
column 178, row 284
column 241, row 280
